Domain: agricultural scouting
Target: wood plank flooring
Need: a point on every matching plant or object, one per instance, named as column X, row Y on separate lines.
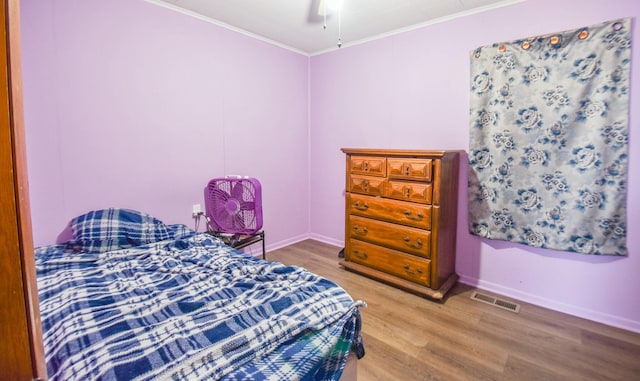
column 408, row 337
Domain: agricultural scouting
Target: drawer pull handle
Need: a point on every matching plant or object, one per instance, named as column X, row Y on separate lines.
column 366, row 165
column 360, row 255
column 406, row 170
column 365, row 185
column 420, row 216
column 364, row 230
column 408, row 270
column 357, row 205
column 416, row 245
column 408, row 192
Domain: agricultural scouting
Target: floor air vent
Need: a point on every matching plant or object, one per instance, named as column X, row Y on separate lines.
column 488, row 299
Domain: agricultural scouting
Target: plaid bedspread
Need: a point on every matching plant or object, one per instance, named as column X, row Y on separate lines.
column 189, row 308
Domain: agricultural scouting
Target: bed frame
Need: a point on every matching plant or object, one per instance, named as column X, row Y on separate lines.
column 350, row 372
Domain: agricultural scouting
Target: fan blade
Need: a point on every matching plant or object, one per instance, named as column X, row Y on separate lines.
column 238, row 222
column 247, row 205
column 237, row 191
column 219, row 194
column 221, row 212
column 249, row 218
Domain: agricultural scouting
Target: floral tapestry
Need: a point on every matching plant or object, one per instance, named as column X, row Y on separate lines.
column 548, row 140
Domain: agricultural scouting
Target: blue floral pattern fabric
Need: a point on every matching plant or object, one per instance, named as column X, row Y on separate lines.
column 548, row 140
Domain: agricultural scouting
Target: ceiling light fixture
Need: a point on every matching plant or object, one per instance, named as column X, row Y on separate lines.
column 327, row 7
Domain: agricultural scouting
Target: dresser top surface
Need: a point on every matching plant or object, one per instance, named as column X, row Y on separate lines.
column 398, row 152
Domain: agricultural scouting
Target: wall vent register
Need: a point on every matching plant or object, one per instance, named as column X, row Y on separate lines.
column 497, row 302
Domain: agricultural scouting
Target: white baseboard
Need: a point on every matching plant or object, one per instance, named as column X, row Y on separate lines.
column 302, row 237
column 327, row 240
column 286, row 242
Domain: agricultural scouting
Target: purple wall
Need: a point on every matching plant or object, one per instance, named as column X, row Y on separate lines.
column 133, row 105
column 130, row 104
column 412, row 91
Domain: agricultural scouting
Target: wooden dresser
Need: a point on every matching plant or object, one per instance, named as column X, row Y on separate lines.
column 401, row 217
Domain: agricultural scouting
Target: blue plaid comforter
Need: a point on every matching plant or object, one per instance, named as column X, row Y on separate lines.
column 191, row 308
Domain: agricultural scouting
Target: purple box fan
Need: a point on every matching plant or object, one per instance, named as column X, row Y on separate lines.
column 233, row 205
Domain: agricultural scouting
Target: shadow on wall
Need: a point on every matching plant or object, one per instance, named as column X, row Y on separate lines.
column 467, row 246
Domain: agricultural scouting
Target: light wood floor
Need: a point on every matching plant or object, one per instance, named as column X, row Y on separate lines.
column 409, row 338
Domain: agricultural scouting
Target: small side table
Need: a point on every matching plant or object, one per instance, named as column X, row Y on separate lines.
column 240, row 241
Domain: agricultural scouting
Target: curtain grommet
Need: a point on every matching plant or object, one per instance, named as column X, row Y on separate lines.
column 555, row 41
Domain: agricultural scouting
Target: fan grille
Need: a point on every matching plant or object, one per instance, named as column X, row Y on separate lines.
column 234, row 205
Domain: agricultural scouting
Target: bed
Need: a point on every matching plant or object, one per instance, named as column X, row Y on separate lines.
column 127, row 297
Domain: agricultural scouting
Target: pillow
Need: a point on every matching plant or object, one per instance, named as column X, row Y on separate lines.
column 113, row 229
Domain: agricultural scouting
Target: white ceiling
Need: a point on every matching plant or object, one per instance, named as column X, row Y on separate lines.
column 296, row 24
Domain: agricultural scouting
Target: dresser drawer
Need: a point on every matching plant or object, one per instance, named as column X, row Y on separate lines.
column 408, row 239
column 410, row 168
column 409, row 191
column 405, row 213
column 368, row 165
column 367, row 185
column 394, row 262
